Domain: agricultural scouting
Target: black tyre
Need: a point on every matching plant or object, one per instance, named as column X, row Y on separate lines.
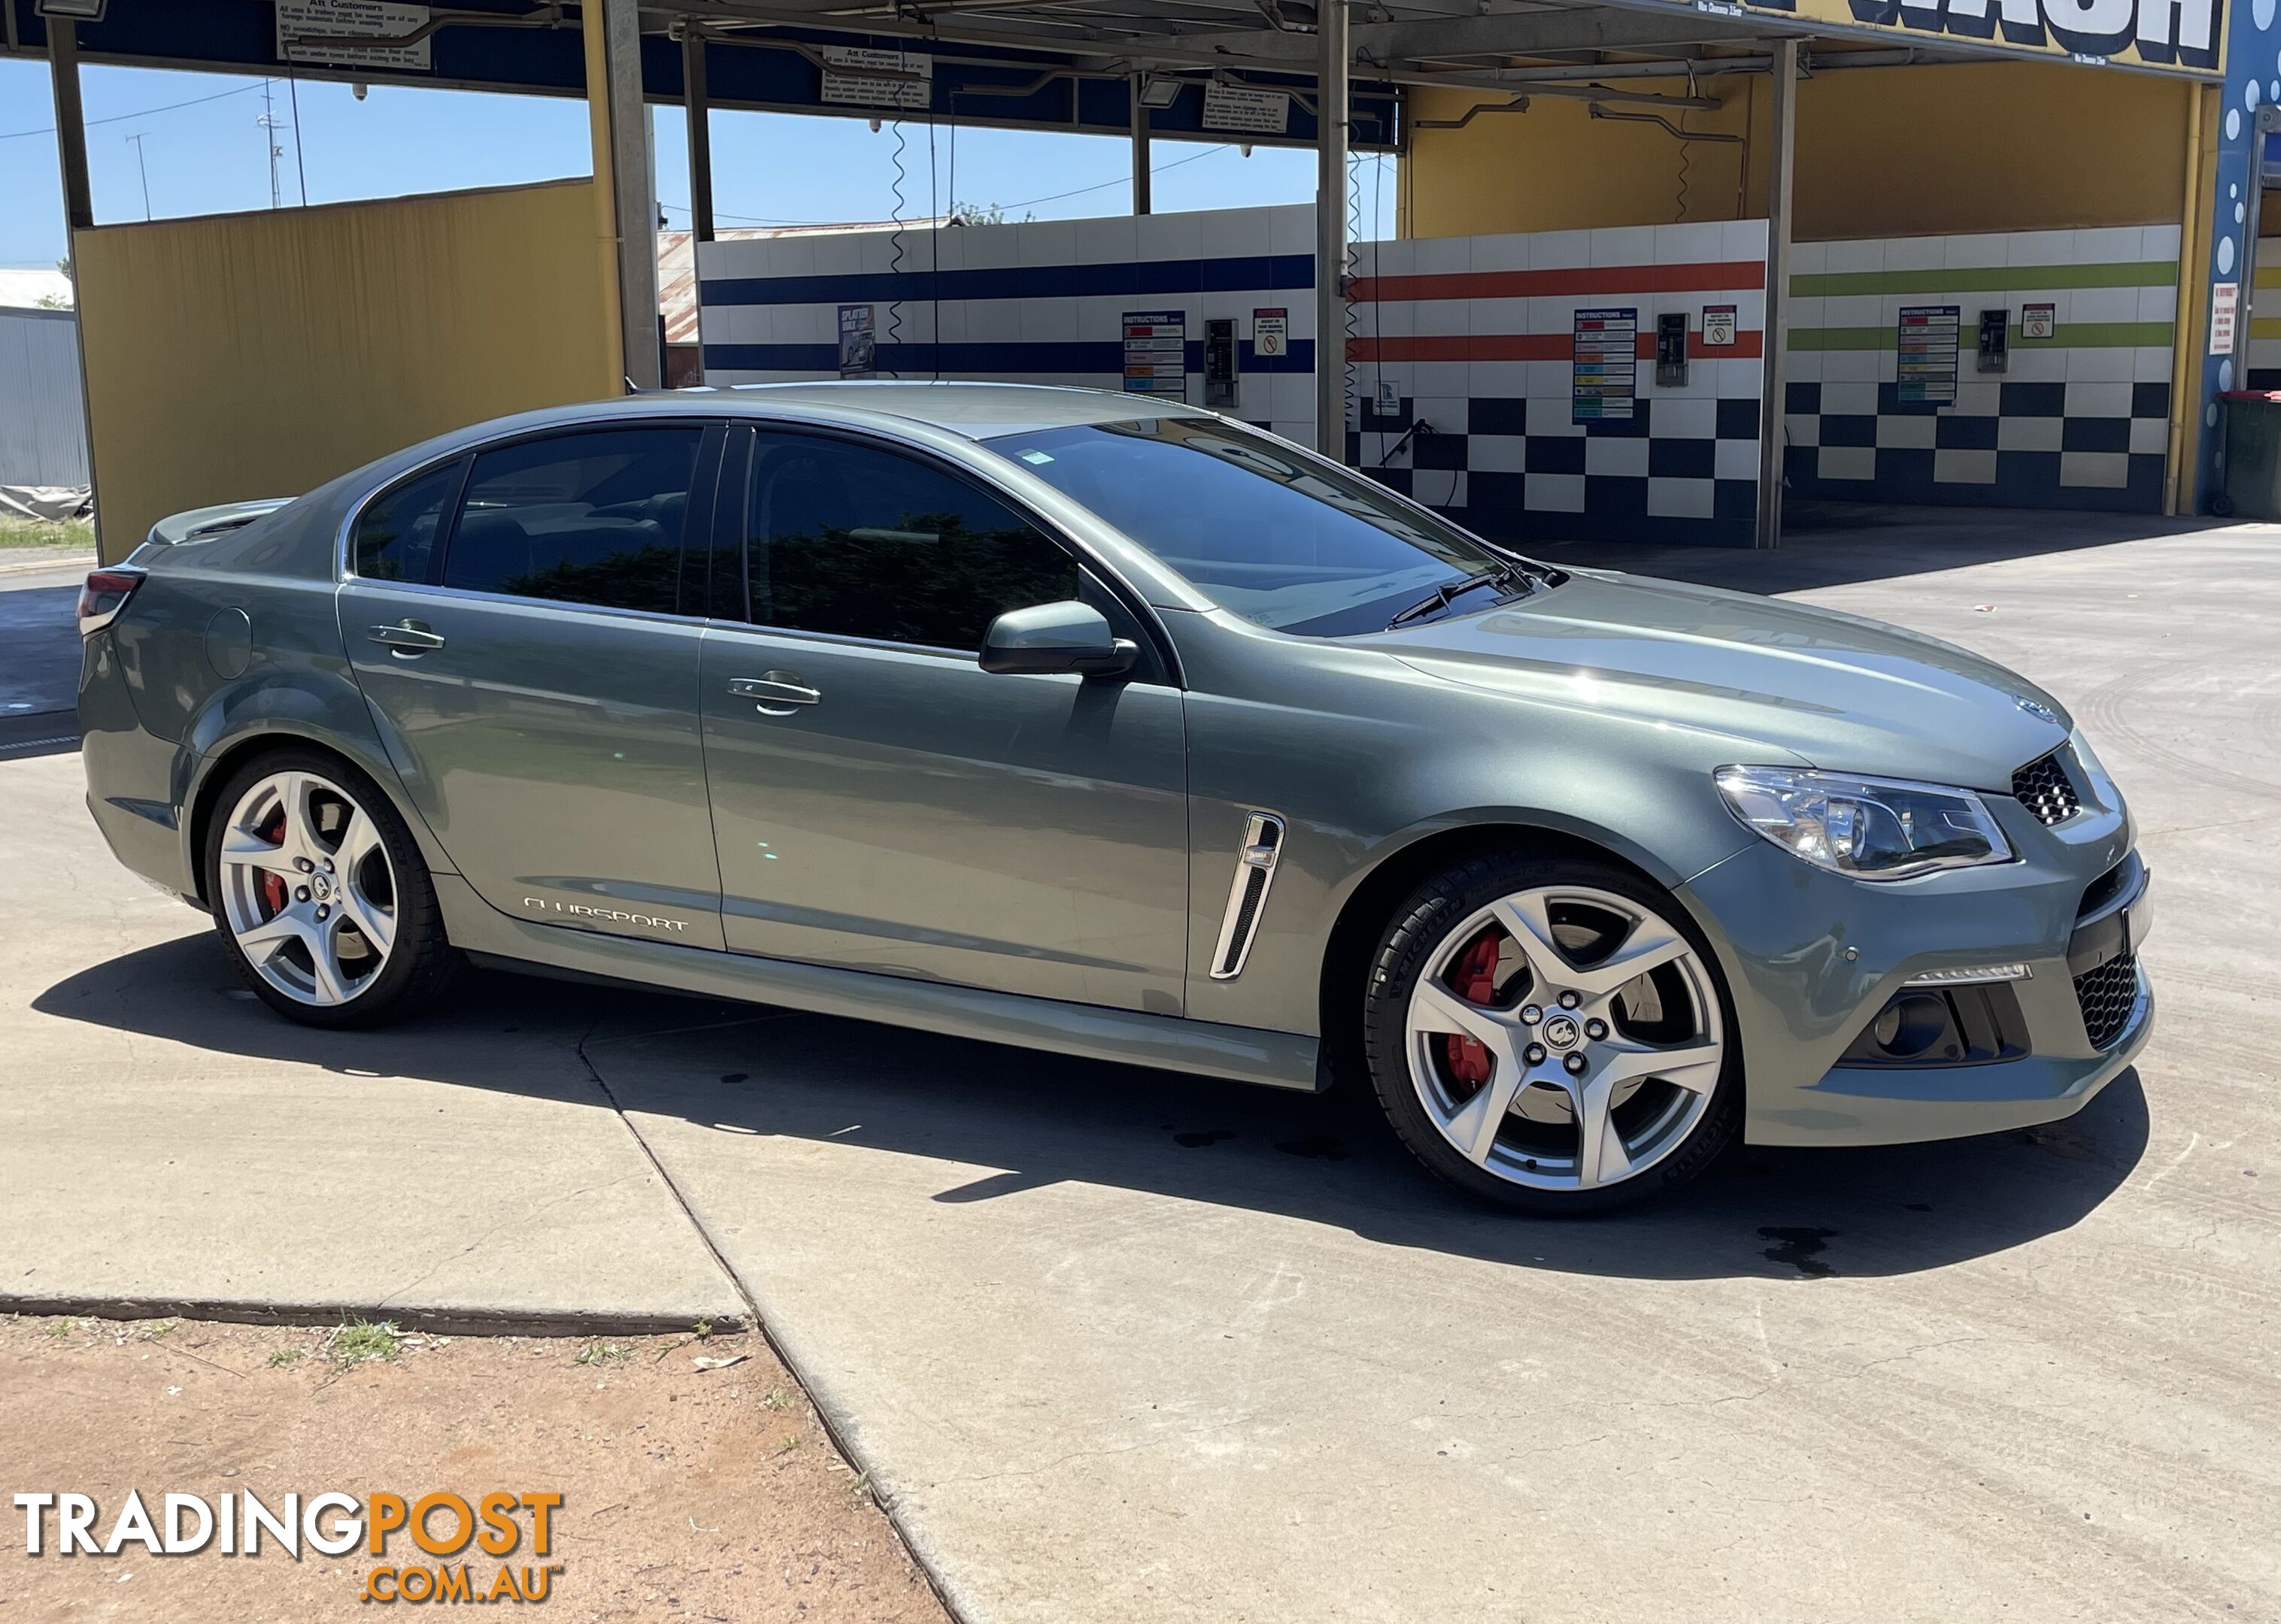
column 1553, row 1034
column 319, row 894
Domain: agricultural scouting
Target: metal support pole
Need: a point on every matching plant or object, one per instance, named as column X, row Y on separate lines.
column 71, row 127
column 1772, row 400
column 1140, row 195
column 631, row 184
column 699, row 106
column 1331, row 105
column 700, row 133
column 79, row 214
column 2182, row 449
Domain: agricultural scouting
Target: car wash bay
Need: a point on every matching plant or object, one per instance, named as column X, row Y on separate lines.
column 1652, row 268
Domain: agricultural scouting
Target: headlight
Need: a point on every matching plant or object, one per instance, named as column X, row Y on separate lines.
column 1871, row 828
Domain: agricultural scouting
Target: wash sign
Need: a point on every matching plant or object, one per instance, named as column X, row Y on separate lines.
column 2174, row 36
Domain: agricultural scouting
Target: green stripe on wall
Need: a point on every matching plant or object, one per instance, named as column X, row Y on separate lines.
column 2069, row 335
column 1987, row 279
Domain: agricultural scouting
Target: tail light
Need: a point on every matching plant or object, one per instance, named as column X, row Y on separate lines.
column 104, row 595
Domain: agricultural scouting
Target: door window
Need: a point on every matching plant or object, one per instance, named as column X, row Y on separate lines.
column 396, row 534
column 865, row 542
column 589, row 518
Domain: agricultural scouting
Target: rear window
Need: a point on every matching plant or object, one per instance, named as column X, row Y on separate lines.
column 396, row 536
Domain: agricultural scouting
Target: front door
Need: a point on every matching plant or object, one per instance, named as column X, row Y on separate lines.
column 516, row 621
column 880, row 802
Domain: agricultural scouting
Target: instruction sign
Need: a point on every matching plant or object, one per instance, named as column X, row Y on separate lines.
column 1239, row 107
column 2225, row 304
column 859, row 341
column 861, row 76
column 2038, row 320
column 1718, row 327
column 1156, row 352
column 1605, row 365
column 1270, row 334
column 1924, row 372
column 326, row 31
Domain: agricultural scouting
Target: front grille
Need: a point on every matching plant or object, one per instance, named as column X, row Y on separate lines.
column 2044, row 787
column 2106, row 994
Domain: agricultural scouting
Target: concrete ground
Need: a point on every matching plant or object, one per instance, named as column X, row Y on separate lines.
column 1117, row 1344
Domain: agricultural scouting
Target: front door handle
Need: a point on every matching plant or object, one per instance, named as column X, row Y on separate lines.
column 409, row 637
column 780, row 693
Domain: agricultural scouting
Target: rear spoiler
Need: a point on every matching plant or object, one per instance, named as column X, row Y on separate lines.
column 202, row 524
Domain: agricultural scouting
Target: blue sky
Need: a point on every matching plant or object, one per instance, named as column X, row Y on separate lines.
column 212, row 157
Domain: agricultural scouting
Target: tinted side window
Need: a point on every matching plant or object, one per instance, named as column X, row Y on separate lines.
column 865, row 542
column 396, row 535
column 588, row 518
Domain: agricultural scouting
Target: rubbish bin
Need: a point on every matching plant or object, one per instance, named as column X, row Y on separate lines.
column 2253, row 454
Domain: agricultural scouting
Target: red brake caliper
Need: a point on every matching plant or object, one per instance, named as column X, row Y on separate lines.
column 273, row 885
column 1473, row 979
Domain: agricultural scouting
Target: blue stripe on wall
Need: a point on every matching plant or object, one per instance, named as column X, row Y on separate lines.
column 915, row 360
column 1135, row 278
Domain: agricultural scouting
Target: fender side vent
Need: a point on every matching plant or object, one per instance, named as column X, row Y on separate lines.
column 1247, row 894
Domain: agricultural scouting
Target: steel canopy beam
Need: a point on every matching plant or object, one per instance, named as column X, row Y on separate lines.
column 1507, row 34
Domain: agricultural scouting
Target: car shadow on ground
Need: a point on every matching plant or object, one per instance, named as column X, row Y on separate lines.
column 1006, row 1121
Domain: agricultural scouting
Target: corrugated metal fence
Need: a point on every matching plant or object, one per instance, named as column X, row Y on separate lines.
column 43, row 422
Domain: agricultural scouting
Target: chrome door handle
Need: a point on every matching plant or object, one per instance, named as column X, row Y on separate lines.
column 407, row 637
column 776, row 693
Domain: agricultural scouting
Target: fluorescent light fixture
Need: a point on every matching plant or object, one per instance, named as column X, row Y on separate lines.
column 1158, row 92
column 75, row 11
column 1971, row 974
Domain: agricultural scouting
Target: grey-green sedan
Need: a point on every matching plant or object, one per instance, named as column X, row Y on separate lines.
column 1084, row 723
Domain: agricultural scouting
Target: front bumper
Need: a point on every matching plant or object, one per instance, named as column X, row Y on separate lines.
column 1812, row 957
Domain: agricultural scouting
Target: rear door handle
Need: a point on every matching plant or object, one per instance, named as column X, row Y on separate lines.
column 780, row 693
column 408, row 636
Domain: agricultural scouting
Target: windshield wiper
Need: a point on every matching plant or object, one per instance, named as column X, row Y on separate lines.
column 1449, row 592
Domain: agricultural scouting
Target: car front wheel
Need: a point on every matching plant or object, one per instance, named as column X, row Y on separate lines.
column 1551, row 1034
column 319, row 894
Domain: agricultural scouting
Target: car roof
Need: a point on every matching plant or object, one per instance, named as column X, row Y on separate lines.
column 975, row 411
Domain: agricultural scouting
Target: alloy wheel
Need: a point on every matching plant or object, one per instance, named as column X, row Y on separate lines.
column 1565, row 1038
column 307, row 890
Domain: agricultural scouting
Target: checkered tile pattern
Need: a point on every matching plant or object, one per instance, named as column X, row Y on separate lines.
column 1684, row 468
column 2077, row 444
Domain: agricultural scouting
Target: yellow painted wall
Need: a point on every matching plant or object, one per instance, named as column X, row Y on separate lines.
column 253, row 355
column 1995, row 146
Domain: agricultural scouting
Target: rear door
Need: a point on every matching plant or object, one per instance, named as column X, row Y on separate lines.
column 517, row 622
column 881, row 803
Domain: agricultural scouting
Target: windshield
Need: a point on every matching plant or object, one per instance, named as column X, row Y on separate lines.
column 1276, row 537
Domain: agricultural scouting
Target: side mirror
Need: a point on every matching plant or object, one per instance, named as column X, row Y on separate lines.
column 1057, row 638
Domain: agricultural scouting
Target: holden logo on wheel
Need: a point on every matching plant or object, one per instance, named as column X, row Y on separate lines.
column 1561, row 1031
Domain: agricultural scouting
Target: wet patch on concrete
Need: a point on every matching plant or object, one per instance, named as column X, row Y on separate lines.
column 1801, row 1249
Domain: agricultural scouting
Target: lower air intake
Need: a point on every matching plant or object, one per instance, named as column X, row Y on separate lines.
column 2107, row 994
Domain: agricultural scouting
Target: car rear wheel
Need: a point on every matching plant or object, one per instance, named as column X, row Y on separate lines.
column 319, row 893
column 1553, row 1034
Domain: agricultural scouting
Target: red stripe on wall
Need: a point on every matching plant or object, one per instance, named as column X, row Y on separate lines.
column 1748, row 346
column 1588, row 280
